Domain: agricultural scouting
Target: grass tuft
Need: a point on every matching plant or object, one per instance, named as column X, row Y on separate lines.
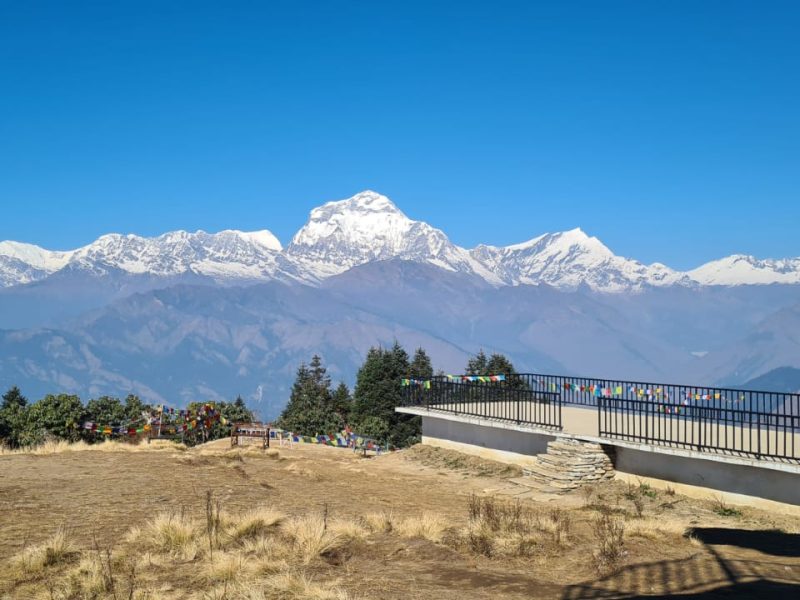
column 33, row 561
column 428, row 526
column 259, row 521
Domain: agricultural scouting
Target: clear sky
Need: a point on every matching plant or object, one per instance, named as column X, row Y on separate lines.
column 670, row 130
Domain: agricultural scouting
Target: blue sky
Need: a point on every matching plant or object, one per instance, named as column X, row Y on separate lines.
column 669, row 130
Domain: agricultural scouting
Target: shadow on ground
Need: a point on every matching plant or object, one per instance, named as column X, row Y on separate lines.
column 739, row 563
column 774, row 542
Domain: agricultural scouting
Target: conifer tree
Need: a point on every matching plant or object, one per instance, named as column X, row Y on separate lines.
column 310, row 408
column 477, row 364
column 421, row 367
column 13, row 417
column 496, row 364
column 342, row 402
column 378, row 392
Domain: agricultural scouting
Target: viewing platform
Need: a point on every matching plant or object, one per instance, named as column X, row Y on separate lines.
column 743, row 443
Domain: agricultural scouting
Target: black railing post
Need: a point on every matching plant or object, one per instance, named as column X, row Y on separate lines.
column 758, row 433
column 600, row 403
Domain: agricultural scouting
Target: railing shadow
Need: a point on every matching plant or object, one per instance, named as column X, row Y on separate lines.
column 771, row 541
column 708, row 576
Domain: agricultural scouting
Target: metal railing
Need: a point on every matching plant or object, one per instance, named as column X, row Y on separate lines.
column 585, row 391
column 502, row 401
column 727, row 430
column 764, row 425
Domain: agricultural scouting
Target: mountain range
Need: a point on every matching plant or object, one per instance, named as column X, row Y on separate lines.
column 188, row 316
column 368, row 227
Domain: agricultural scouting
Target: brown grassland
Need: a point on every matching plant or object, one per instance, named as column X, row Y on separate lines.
column 161, row 521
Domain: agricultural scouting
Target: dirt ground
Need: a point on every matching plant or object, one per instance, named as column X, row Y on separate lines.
column 708, row 550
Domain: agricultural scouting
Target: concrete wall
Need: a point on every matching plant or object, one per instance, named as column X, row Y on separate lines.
column 714, row 476
column 516, row 447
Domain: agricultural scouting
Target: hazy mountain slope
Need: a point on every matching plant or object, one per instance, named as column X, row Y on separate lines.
column 541, row 327
column 72, row 291
column 189, row 343
column 773, row 343
column 782, row 379
column 185, row 343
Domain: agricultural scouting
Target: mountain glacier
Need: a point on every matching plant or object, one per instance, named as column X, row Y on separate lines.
column 366, row 228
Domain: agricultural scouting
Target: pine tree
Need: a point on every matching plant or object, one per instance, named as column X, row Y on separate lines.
column 342, row 402
column 310, row 408
column 421, row 367
column 378, row 392
column 496, row 364
column 13, row 417
column 477, row 364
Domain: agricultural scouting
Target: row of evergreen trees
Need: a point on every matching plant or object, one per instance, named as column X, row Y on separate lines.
column 315, row 408
column 61, row 416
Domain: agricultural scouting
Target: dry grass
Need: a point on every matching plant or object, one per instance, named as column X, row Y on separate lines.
column 382, row 522
column 170, row 533
column 303, row 472
column 429, row 526
column 311, row 537
column 256, row 522
column 497, row 529
column 292, row 586
column 290, row 549
column 33, row 561
column 609, row 533
column 51, row 447
column 654, row 528
column 229, row 567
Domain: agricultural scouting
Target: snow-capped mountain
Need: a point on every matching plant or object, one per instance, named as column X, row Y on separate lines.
column 24, row 263
column 568, row 260
column 225, row 256
column 368, row 227
column 740, row 270
column 234, row 255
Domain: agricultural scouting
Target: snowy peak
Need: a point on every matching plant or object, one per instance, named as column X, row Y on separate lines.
column 368, row 222
column 367, row 227
column 569, row 259
column 740, row 269
column 263, row 238
column 25, row 263
column 34, row 256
